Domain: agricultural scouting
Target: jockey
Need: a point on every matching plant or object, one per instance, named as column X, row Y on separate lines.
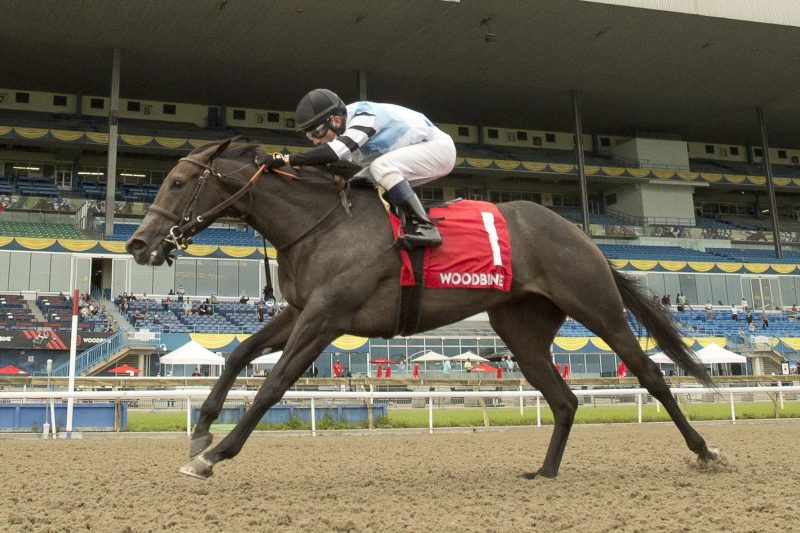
column 397, row 144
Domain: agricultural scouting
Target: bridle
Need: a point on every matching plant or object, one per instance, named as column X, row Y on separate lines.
column 180, row 235
column 186, row 226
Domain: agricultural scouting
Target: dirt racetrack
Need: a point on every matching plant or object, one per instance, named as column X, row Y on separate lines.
column 614, row 478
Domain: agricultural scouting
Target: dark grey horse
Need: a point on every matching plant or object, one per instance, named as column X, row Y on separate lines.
column 340, row 274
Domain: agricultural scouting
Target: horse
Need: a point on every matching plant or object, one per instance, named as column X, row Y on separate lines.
column 339, row 272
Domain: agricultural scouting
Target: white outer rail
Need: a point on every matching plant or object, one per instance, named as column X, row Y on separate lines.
column 202, row 393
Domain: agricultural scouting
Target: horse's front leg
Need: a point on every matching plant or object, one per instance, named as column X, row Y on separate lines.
column 273, row 336
column 311, row 334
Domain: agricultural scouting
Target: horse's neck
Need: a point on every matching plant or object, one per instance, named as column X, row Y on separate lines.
column 292, row 212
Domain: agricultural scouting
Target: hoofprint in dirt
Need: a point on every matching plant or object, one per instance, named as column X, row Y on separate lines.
column 621, row 477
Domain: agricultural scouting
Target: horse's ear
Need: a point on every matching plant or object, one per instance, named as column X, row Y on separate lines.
column 221, row 148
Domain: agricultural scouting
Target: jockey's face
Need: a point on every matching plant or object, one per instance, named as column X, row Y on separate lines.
column 326, row 133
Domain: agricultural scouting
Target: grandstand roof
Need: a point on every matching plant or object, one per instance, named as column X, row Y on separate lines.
column 638, row 70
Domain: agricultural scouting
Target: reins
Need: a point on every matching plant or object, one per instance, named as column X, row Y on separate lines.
column 185, row 226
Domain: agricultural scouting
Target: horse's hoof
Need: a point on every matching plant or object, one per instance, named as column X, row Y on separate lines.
column 200, row 444
column 535, row 475
column 199, row 467
column 712, row 460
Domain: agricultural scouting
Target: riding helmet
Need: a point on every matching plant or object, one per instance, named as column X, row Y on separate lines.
column 315, row 107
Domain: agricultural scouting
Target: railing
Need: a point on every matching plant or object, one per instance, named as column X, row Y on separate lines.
column 94, row 355
column 190, row 395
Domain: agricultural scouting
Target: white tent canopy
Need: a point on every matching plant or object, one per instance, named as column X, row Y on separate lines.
column 710, row 355
column 468, row 356
column 713, row 354
column 267, row 359
column 192, row 353
column 431, row 357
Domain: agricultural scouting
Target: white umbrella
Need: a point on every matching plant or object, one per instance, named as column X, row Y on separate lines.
column 267, row 359
column 469, row 356
column 431, row 357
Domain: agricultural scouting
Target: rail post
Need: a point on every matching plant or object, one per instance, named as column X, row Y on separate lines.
column 639, row 406
column 538, row 411
column 189, row 415
column 733, row 411
column 313, row 418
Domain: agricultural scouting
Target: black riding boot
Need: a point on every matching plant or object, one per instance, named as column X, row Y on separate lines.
column 424, row 233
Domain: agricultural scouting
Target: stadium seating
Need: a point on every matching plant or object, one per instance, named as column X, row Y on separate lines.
column 212, row 235
column 40, row 229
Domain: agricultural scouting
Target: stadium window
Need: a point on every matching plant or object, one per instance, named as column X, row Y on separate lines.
column 168, row 109
column 463, row 131
column 59, row 100
column 781, row 154
column 733, row 150
column 97, row 103
column 709, row 148
column 550, row 137
column 611, row 199
column 510, row 137
column 274, row 117
column 290, row 123
column 22, row 98
column 134, row 107
column 431, row 193
column 239, row 114
column 492, row 134
column 758, row 152
column 537, row 141
column 605, row 141
column 795, row 159
column 522, row 136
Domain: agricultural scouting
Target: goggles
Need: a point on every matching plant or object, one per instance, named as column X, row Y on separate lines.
column 318, row 132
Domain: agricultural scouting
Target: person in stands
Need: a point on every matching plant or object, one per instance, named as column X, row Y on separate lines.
column 399, row 147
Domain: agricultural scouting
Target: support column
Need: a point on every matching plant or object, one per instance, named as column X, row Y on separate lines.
column 576, row 109
column 362, row 85
column 773, row 207
column 113, row 130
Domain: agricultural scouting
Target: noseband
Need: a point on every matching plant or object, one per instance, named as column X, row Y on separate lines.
column 180, row 235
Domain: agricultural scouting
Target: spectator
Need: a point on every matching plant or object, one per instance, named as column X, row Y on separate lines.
column 187, row 308
column 196, row 373
column 213, row 298
column 243, row 299
column 338, row 369
column 260, row 308
column 181, row 293
column 744, row 305
column 751, row 327
column 734, row 313
column 171, row 292
column 764, row 320
column 269, row 294
column 165, row 303
column 709, row 310
column 446, row 367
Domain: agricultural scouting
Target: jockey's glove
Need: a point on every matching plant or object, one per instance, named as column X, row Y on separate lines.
column 275, row 160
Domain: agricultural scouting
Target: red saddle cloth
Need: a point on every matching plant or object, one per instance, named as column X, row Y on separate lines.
column 475, row 253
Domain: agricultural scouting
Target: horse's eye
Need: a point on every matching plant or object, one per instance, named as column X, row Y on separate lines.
column 177, row 184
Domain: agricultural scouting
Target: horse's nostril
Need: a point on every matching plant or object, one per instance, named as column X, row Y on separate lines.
column 135, row 245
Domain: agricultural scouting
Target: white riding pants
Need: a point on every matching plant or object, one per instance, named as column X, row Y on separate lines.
column 418, row 163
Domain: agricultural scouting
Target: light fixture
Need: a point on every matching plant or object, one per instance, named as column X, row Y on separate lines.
column 130, row 175
column 27, row 168
column 90, row 174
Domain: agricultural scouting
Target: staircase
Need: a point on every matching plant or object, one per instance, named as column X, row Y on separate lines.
column 115, row 348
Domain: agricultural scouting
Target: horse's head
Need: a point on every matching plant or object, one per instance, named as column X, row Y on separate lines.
column 189, row 200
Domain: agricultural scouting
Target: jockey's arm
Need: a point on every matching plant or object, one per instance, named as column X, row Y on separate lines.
column 360, row 130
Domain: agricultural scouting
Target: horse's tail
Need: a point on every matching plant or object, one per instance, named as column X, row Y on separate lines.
column 661, row 327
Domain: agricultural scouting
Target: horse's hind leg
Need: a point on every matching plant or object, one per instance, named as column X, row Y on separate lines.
column 274, row 335
column 614, row 330
column 528, row 328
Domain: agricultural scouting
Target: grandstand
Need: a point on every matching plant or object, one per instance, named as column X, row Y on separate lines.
column 673, row 158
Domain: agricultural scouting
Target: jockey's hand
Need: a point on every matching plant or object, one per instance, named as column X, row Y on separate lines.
column 275, row 160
